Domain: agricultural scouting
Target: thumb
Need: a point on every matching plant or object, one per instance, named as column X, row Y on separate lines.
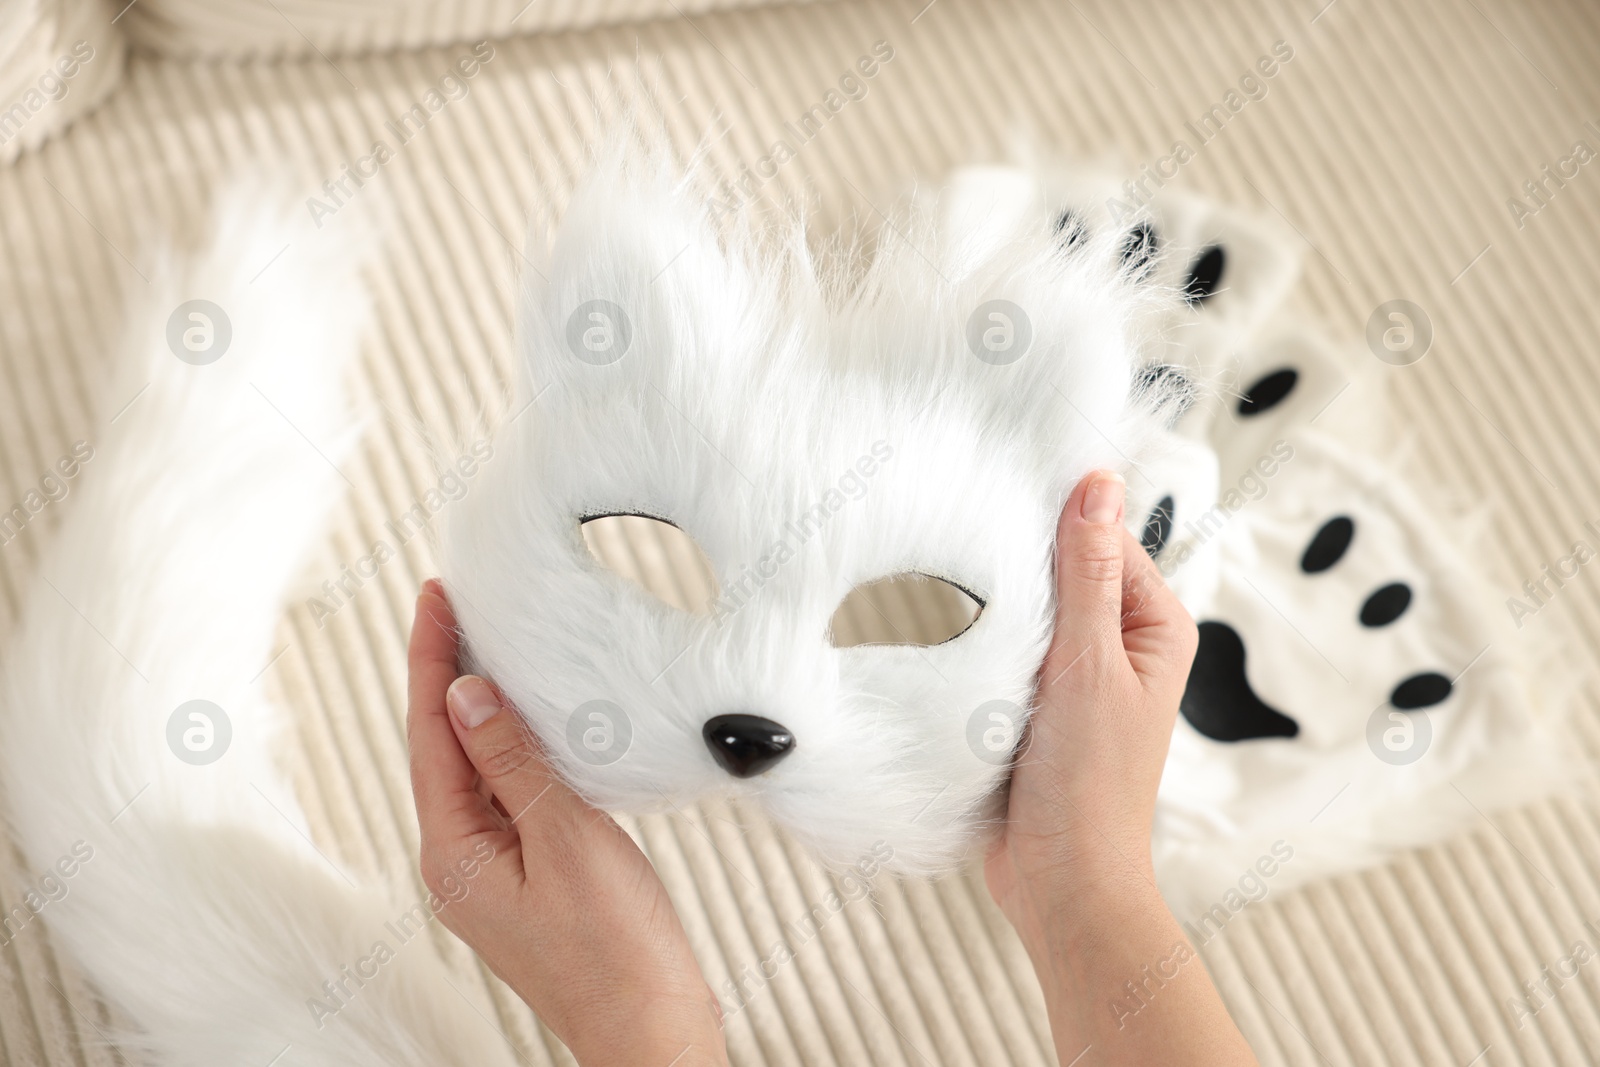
column 499, row 744
column 1089, row 568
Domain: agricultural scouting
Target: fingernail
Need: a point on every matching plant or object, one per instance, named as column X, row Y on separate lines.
column 472, row 701
column 1102, row 501
column 434, row 586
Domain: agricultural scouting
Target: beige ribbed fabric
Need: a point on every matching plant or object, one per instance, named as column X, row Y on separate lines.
column 58, row 59
column 250, row 28
column 1391, row 143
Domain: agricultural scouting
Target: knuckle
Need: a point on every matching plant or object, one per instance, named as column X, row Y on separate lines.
column 1098, row 564
column 503, row 756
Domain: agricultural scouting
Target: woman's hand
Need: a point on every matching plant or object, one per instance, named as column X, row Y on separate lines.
column 1072, row 869
column 1083, row 792
column 565, row 908
column 559, row 901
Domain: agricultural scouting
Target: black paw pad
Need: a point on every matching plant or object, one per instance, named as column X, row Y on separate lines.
column 1218, row 701
column 1329, row 545
column 1166, row 386
column 1268, row 391
column 1139, row 248
column 1070, row 229
column 1421, row 691
column 1205, row 275
column 1157, row 528
column 1386, row 604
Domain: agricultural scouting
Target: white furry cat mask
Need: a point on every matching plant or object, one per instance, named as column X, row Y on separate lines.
column 931, row 421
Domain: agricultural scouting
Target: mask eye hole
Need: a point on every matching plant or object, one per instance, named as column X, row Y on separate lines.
column 904, row 609
column 654, row 555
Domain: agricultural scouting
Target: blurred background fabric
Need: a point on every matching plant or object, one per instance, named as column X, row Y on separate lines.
column 1396, row 143
column 58, row 59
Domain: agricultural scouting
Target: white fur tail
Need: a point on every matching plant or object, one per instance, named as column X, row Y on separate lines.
column 187, row 889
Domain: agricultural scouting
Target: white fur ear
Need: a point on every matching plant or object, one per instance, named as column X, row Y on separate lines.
column 985, row 306
column 635, row 289
column 981, row 209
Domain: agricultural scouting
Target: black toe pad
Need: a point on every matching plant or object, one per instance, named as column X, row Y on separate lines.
column 1219, row 701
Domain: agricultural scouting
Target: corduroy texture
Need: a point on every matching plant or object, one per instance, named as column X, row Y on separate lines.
column 252, row 28
column 58, row 59
column 1391, row 143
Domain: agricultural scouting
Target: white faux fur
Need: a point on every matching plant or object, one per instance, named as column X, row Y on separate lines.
column 748, row 394
column 203, row 913
column 750, row 390
column 810, row 436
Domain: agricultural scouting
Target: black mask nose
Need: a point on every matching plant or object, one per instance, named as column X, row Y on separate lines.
column 746, row 745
